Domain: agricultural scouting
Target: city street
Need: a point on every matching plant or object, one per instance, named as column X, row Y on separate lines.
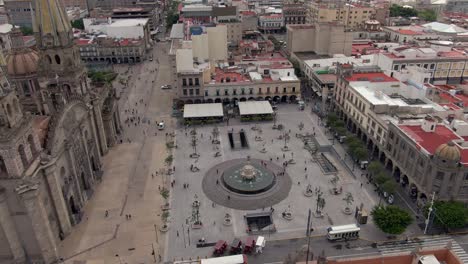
column 129, row 191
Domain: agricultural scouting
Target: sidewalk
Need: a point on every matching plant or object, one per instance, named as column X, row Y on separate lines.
column 338, row 149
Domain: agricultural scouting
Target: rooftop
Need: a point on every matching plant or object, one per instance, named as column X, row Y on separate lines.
column 430, row 141
column 112, row 42
column 371, row 77
column 129, row 22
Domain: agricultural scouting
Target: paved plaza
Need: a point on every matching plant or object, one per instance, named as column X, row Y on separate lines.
column 305, row 171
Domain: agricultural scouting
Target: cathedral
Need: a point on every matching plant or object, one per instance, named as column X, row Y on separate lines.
column 55, row 127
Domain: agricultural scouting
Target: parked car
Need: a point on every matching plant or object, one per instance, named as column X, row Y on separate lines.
column 167, row 86
column 161, row 125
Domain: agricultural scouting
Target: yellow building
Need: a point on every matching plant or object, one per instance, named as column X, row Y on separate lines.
column 352, row 16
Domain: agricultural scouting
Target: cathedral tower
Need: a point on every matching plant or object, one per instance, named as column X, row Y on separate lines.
column 60, row 71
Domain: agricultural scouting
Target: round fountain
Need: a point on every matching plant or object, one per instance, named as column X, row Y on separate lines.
column 248, row 178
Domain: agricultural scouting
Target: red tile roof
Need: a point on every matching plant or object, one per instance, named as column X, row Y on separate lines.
column 408, row 32
column 234, row 77
column 371, row 77
column 430, row 141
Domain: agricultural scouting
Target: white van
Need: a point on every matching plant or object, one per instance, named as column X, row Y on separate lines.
column 161, row 126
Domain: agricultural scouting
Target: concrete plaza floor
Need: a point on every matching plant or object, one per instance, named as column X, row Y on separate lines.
column 182, row 239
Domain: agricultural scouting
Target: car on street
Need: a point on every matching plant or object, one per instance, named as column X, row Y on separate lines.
column 167, row 86
column 161, row 125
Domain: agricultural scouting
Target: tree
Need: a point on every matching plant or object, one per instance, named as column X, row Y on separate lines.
column 27, row 31
column 397, row 10
column 78, row 24
column 102, row 76
column 374, row 167
column 389, row 187
column 381, row 177
column 391, row 219
column 427, row 15
column 165, row 194
column 451, row 214
column 352, row 139
column 359, row 153
column 340, row 130
column 349, row 199
column 332, row 118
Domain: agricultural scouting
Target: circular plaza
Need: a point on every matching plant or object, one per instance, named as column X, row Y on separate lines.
column 246, row 184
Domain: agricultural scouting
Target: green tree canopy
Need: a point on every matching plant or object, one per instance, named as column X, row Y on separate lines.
column 340, row 130
column 427, row 15
column 102, row 76
column 374, row 167
column 397, row 10
column 359, row 153
column 381, row 177
column 450, row 214
column 389, row 187
column 78, row 24
column 27, row 31
column 391, row 219
column 331, row 118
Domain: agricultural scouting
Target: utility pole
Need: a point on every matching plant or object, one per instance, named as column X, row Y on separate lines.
column 154, row 252
column 429, row 213
column 308, row 231
column 156, row 232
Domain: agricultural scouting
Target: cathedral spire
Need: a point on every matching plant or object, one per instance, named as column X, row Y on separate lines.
column 51, row 25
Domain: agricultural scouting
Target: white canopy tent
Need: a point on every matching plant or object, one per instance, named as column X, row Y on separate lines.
column 203, row 110
column 255, row 108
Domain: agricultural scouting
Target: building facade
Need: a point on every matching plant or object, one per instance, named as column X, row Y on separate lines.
column 321, row 38
column 294, row 14
column 445, row 67
column 111, row 50
column 20, row 12
column 352, row 16
column 50, row 163
column 271, row 23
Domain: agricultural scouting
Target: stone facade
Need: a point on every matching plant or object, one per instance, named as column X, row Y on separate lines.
column 50, row 163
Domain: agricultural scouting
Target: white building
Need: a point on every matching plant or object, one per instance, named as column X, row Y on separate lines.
column 119, row 28
column 271, row 22
column 211, row 45
column 446, row 65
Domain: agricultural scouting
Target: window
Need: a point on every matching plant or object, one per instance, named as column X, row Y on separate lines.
column 293, row 89
column 268, row 90
column 23, row 157
column 32, row 146
column 226, row 92
column 57, row 59
column 452, row 176
column 432, row 66
column 185, row 91
column 197, row 91
column 217, row 92
column 250, row 90
column 197, row 82
column 191, row 91
column 440, row 175
column 243, row 91
column 234, row 92
column 276, row 90
column 284, row 89
column 184, row 82
column 190, row 82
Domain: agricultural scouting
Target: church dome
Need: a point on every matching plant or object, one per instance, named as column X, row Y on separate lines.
column 448, row 152
column 23, row 62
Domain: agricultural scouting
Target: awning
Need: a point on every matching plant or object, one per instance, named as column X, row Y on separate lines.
column 203, row 110
column 255, row 108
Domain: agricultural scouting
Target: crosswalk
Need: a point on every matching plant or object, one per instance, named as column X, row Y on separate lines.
column 425, row 242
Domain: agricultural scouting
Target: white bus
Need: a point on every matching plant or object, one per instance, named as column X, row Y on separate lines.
column 345, row 232
column 235, row 259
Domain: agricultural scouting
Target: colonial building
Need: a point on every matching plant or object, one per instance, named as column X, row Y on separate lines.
column 294, row 13
column 50, row 162
column 111, row 50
